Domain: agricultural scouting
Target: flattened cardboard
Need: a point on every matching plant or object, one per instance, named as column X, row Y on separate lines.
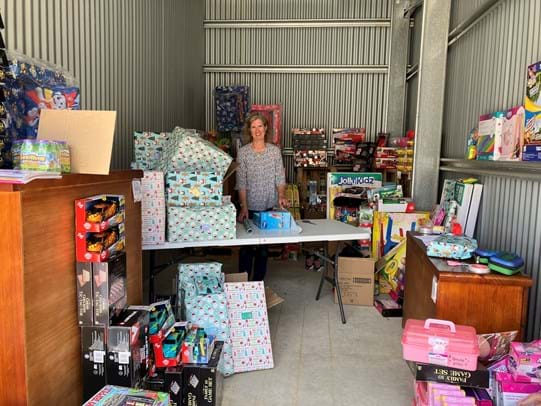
column 88, row 133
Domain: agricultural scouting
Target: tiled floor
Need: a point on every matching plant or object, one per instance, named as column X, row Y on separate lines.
column 318, row 360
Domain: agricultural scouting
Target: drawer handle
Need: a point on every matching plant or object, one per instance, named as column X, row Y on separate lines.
column 447, row 323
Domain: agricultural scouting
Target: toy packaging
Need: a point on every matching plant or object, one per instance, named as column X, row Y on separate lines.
column 525, row 360
column 99, row 213
column 391, row 269
column 495, row 346
column 489, row 139
column 532, row 105
column 197, row 346
column 127, row 348
column 37, row 155
column 161, row 319
column 508, row 392
column 200, row 223
column 93, row 353
column 345, row 142
column 232, row 105
column 188, row 152
column 273, row 220
column 531, row 152
column 273, row 114
column 438, row 374
column 98, row 247
column 119, row 396
column 149, row 149
column 512, row 133
column 167, row 352
column 451, row 247
column 172, row 383
column 440, row 342
column 194, row 188
column 310, row 147
column 202, row 385
column 250, row 334
column 109, row 288
column 153, row 208
column 85, row 297
column 349, row 189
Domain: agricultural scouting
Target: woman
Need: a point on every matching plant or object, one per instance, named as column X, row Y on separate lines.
column 261, row 184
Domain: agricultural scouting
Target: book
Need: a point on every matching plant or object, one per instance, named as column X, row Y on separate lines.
column 474, row 210
column 23, row 177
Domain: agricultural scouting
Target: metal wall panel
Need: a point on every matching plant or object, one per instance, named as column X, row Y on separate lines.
column 462, row 9
column 128, row 56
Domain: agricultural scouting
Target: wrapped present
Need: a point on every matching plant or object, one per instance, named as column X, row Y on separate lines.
column 149, row 149
column 249, row 326
column 153, row 208
column 232, row 106
column 273, row 114
column 187, row 151
column 201, row 223
column 188, row 273
column 451, row 246
column 194, row 188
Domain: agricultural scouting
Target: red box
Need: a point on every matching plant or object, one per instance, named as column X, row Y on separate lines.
column 108, row 246
column 88, row 217
column 273, row 114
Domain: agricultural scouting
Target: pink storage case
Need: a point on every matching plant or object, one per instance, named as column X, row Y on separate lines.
column 440, row 342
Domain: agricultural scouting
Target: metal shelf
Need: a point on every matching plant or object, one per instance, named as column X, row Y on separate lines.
column 515, row 169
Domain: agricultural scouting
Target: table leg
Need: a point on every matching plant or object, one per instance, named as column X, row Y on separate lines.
column 152, row 266
column 323, row 274
column 338, row 293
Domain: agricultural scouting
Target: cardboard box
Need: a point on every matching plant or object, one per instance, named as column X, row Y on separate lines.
column 117, row 395
column 93, row 353
column 532, row 105
column 85, row 300
column 127, row 349
column 193, row 188
column 109, row 286
column 273, row 220
column 99, row 247
column 438, row 373
column 201, row 223
column 531, row 152
column 202, row 384
column 356, row 279
column 173, row 384
column 99, row 213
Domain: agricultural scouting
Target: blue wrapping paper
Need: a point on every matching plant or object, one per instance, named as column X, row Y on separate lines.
column 451, row 246
column 232, row 106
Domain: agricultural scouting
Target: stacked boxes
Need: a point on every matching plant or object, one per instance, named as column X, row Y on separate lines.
column 345, row 141
column 153, row 208
column 194, row 188
column 310, row 147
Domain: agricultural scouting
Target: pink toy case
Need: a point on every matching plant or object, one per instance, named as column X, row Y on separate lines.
column 525, row 361
column 440, row 342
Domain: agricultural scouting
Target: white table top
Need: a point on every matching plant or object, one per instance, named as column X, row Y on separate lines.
column 312, row 230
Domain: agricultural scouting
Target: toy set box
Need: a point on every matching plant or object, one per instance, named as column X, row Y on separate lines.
column 509, row 392
column 490, row 136
column 85, row 299
column 273, row 114
column 99, row 213
column 167, row 352
column 109, row 288
column 98, row 247
column 194, row 188
column 480, row 378
column 172, row 383
column 440, row 342
column 273, row 220
column 116, row 395
column 532, row 105
column 153, row 207
column 93, row 351
column 149, row 149
column 202, row 385
column 525, row 361
column 197, row 346
column 531, row 152
column 161, row 319
column 250, row 334
column 200, row 223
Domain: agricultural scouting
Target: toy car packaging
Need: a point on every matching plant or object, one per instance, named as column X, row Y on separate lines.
column 99, row 213
column 98, row 247
column 161, row 320
column 167, row 353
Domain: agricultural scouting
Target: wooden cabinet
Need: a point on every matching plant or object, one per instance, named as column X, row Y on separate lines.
column 490, row 303
column 40, row 357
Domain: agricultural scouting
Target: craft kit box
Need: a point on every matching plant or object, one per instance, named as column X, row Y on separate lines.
column 532, row 105
column 149, row 148
column 109, row 288
column 127, row 348
column 194, row 188
column 202, row 384
column 201, row 223
column 93, row 353
column 356, row 279
column 273, row 220
column 85, row 298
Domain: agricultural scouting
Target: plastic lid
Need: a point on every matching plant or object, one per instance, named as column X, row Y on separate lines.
column 442, row 333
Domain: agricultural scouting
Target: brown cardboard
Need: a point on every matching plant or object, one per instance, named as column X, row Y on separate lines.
column 271, row 297
column 88, row 133
column 356, row 279
column 236, row 277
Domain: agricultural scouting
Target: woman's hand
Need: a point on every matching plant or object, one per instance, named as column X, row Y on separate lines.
column 243, row 215
column 284, row 203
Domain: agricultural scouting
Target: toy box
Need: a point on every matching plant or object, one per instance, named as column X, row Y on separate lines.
column 531, row 152
column 532, row 105
column 109, row 287
column 172, row 383
column 232, row 104
column 197, row 346
column 187, row 274
column 250, row 334
column 440, row 342
column 85, row 299
column 272, row 220
column 202, row 384
column 490, row 136
column 273, row 114
column 161, row 319
column 167, row 352
column 99, row 213
column 438, row 374
column 525, row 361
column 153, row 208
column 512, row 134
column 127, row 348
column 93, row 353
column 116, row 395
column 194, row 188
column 149, row 149
column 391, row 268
column 188, row 152
column 201, row 223
column 509, row 392
column 98, row 247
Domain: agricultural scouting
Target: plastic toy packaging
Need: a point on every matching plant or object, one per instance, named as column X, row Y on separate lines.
column 495, row 346
column 473, row 136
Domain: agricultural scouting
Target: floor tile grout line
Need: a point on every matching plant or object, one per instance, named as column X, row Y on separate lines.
column 299, row 369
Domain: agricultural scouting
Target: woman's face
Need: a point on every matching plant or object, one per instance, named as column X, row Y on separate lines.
column 258, row 130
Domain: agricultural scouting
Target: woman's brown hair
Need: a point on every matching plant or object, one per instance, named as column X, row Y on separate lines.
column 247, row 124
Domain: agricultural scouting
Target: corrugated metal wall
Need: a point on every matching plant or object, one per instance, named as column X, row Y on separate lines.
column 486, row 71
column 324, row 61
column 128, row 55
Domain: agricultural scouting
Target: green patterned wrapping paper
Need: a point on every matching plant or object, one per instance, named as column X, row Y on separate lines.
column 200, row 223
column 194, row 188
column 149, row 148
column 451, row 246
column 187, row 151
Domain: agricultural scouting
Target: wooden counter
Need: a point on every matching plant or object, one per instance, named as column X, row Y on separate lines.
column 39, row 334
column 490, row 303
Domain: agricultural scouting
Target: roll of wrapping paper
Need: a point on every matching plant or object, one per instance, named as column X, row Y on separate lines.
column 248, row 226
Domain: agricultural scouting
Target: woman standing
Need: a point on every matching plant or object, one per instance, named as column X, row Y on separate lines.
column 261, row 185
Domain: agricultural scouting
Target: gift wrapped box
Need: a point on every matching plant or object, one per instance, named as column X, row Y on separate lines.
column 153, row 208
column 200, row 223
column 149, row 148
column 187, row 151
column 188, row 273
column 451, row 246
column 194, row 188
column 249, row 324
column 273, row 114
column 232, row 106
